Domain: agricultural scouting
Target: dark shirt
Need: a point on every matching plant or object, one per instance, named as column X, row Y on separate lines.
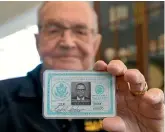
column 21, row 108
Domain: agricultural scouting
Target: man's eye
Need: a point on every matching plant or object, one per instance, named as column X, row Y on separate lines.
column 53, row 31
column 81, row 32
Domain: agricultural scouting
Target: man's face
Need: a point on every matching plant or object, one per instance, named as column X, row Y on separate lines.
column 66, row 39
column 80, row 90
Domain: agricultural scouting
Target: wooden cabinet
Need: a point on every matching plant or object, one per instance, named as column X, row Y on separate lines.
column 134, row 33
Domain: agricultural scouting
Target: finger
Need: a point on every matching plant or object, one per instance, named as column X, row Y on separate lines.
column 116, row 68
column 100, row 66
column 122, row 85
column 154, row 97
column 152, row 104
column 114, row 124
column 136, row 80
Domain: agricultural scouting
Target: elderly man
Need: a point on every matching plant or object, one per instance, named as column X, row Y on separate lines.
column 68, row 40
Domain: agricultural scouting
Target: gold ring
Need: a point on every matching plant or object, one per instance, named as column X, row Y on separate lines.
column 136, row 93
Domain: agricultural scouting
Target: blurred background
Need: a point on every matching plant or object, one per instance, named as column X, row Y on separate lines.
column 132, row 32
column 18, row 53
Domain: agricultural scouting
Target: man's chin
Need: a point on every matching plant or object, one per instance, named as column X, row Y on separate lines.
column 67, row 66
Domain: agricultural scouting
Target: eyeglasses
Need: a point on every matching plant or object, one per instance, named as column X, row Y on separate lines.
column 80, row 90
column 54, row 31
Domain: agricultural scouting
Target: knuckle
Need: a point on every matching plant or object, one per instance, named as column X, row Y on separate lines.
column 135, row 71
column 116, row 62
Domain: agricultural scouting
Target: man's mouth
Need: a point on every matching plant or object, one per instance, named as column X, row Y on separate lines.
column 68, row 58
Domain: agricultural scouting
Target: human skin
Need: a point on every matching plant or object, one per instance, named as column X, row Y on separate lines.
column 66, row 51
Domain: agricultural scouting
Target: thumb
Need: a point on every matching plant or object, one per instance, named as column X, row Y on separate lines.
column 100, row 66
column 114, row 124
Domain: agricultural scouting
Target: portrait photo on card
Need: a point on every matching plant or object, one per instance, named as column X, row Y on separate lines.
column 80, row 93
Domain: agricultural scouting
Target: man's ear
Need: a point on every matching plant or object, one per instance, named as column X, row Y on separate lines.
column 37, row 41
column 97, row 44
column 37, row 44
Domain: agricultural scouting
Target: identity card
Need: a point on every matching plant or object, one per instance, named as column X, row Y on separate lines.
column 78, row 94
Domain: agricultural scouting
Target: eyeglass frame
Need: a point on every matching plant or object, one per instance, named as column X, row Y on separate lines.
column 62, row 28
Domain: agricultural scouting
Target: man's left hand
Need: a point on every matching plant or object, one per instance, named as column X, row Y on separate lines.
column 135, row 113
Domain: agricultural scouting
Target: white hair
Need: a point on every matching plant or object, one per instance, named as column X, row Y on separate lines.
column 95, row 17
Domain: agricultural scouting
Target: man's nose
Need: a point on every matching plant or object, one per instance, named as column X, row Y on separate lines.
column 67, row 39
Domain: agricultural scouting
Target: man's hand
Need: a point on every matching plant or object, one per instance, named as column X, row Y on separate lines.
column 140, row 113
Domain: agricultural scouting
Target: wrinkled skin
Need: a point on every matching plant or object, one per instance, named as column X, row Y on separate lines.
column 67, row 52
column 134, row 113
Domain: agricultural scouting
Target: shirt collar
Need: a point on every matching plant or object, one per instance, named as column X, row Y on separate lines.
column 80, row 98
